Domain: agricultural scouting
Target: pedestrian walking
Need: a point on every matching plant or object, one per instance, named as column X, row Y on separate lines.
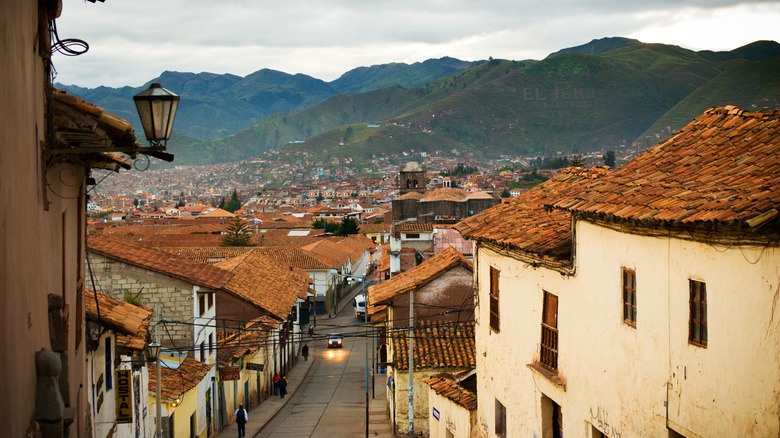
column 241, row 419
column 305, row 351
column 283, row 386
column 276, row 384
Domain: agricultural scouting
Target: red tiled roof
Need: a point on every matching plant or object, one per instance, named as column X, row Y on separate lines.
column 416, row 278
column 724, row 166
column 445, row 194
column 447, row 387
column 448, row 345
column 130, row 322
column 300, row 258
column 266, row 282
column 115, row 248
column 176, row 382
column 415, row 227
column 250, row 339
column 523, row 222
column 208, row 254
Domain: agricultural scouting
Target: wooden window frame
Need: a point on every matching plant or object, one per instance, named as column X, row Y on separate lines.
column 629, row 296
column 697, row 327
column 495, row 314
column 548, row 353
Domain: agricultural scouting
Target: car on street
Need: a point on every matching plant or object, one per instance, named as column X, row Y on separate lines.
column 334, row 340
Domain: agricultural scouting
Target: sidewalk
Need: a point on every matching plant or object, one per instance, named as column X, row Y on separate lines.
column 260, row 415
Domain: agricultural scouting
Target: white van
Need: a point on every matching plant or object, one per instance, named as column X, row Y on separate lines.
column 360, row 306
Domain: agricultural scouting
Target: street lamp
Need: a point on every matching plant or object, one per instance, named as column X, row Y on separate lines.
column 157, row 108
column 152, row 352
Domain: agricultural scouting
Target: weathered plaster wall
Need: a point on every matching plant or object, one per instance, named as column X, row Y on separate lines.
column 616, row 376
column 452, row 417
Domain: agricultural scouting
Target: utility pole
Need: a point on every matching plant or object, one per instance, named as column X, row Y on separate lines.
column 411, row 363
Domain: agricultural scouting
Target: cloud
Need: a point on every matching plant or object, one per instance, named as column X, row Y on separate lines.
column 133, row 42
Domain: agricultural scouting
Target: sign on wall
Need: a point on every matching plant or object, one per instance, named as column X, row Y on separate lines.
column 230, row 373
column 124, row 397
column 255, row 366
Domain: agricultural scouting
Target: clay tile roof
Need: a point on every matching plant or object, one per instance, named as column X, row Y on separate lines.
column 415, row 227
column 130, row 322
column 81, row 124
column 217, row 213
column 125, row 251
column 330, row 252
column 411, row 195
column 724, row 166
column 447, row 387
column 267, row 283
column 176, row 382
column 524, row 223
column 300, row 258
column 437, row 345
column 254, row 335
column 479, row 195
column 208, row 254
column 445, row 194
column 416, row 278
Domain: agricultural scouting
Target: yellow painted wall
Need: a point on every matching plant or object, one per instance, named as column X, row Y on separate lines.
column 452, row 417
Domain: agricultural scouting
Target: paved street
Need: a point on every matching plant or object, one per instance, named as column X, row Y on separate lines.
column 331, row 400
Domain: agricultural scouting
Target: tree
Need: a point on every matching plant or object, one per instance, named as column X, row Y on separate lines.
column 237, row 233
column 135, row 203
column 577, row 161
column 609, row 158
column 348, row 226
column 505, row 193
column 233, row 204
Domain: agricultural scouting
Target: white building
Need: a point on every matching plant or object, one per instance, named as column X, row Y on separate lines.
column 639, row 302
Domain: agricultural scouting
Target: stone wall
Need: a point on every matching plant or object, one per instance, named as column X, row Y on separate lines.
column 174, row 296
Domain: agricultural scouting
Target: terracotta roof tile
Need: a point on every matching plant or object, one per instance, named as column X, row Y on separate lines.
column 422, row 274
column 208, row 254
column 266, row 282
column 415, row 227
column 122, row 250
column 447, row 387
column 724, row 166
column 524, row 223
column 449, row 345
column 300, row 258
column 446, row 194
column 130, row 322
column 249, row 340
column 176, row 382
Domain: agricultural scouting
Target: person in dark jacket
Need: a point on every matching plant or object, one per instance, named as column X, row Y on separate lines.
column 305, row 352
column 283, row 386
column 241, row 419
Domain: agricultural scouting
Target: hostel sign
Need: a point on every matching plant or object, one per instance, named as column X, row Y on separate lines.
column 229, row 373
column 124, row 397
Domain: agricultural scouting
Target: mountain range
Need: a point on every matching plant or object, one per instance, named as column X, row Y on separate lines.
column 602, row 95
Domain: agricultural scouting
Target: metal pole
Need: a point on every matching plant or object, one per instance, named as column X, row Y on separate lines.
column 365, row 319
column 158, row 374
column 411, row 363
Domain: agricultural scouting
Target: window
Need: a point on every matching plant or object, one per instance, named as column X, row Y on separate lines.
column 109, row 366
column 500, row 419
column 494, row 315
column 549, row 346
column 211, row 300
column 697, row 334
column 412, row 235
column 629, row 297
column 203, row 351
column 201, row 304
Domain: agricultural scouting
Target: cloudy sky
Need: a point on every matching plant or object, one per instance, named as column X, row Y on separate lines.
column 133, row 41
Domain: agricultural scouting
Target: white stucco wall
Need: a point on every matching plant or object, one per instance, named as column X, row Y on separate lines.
column 452, row 417
column 615, row 375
